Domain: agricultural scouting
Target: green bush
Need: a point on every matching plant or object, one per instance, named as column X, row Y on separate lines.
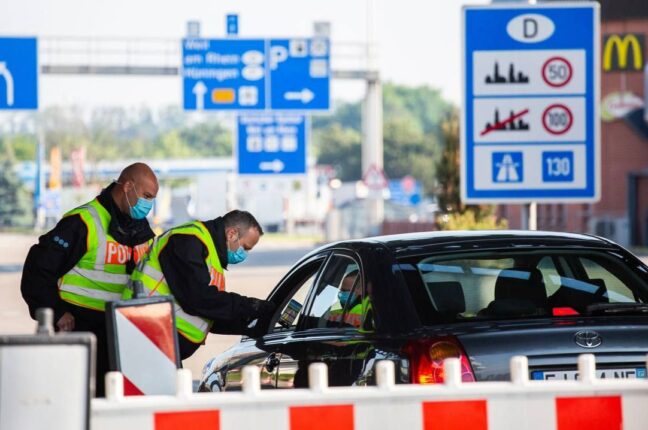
column 469, row 221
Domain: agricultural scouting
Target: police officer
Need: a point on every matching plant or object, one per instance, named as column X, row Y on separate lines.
column 188, row 262
column 85, row 261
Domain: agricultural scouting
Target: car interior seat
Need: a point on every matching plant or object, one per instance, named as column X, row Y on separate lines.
column 518, row 292
column 578, row 295
column 447, row 298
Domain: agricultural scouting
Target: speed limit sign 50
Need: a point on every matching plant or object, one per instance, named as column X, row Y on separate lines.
column 557, row 72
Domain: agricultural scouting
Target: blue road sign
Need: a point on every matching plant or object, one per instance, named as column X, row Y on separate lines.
column 224, row 74
column 246, row 74
column 406, row 191
column 272, row 143
column 300, row 74
column 232, row 25
column 530, row 127
column 18, row 73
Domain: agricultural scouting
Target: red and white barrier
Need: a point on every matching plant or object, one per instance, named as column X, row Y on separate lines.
column 589, row 404
column 144, row 345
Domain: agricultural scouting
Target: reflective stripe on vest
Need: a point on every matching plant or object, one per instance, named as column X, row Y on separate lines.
column 195, row 321
column 90, row 292
column 98, row 277
column 103, row 277
column 149, row 272
column 100, row 259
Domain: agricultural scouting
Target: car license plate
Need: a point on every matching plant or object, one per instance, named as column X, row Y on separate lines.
column 572, row 375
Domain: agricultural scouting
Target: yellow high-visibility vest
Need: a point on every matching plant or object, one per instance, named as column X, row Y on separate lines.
column 100, row 275
column 149, row 272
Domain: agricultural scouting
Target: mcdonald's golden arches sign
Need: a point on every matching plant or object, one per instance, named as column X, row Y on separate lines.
column 624, row 52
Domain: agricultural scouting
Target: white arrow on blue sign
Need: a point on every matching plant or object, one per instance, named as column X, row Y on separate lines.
column 18, row 73
column 256, row 74
column 272, row 144
column 530, row 126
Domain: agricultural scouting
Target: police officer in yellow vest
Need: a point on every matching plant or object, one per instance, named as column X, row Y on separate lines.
column 350, row 310
column 85, row 261
column 188, row 262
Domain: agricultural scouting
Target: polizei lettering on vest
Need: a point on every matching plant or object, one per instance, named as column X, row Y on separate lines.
column 116, row 253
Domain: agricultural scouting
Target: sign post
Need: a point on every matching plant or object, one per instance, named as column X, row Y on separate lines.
column 530, row 127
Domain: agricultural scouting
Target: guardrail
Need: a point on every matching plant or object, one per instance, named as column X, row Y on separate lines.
column 589, row 403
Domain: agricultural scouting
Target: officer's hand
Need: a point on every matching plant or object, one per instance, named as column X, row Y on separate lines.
column 66, row 322
column 263, row 308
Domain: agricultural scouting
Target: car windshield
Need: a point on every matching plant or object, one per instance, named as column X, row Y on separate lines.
column 522, row 284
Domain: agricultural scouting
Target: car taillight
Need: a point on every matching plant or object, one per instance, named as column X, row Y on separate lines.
column 564, row 312
column 426, row 360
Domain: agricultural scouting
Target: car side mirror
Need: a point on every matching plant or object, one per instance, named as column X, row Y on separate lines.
column 289, row 314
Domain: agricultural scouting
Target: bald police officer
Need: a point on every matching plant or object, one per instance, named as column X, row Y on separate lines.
column 85, row 261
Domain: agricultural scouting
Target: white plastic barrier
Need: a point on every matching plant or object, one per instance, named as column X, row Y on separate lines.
column 588, row 404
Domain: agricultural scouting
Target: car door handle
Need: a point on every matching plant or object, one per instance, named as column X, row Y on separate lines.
column 271, row 362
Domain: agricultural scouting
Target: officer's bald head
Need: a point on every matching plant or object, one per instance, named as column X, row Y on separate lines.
column 136, row 180
column 137, row 172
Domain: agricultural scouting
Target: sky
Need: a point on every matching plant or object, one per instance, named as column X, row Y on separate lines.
column 418, row 41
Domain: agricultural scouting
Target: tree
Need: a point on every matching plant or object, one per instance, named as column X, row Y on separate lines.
column 448, row 167
column 455, row 215
column 15, row 202
column 340, row 147
column 411, row 135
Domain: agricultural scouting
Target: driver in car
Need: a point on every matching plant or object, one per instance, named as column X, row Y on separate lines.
column 348, row 300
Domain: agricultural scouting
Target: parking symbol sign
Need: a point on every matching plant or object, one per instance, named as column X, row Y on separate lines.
column 507, row 167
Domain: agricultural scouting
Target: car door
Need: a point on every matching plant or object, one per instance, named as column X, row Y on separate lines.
column 291, row 295
column 265, row 352
column 333, row 328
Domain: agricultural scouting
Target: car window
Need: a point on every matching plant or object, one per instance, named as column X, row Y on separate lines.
column 296, row 304
column 521, row 283
column 550, row 275
column 615, row 290
column 293, row 293
column 337, row 293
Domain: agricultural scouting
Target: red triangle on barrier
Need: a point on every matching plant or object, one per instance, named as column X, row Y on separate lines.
column 130, row 389
column 155, row 322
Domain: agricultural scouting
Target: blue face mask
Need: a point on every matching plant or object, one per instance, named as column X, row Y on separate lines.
column 141, row 208
column 343, row 297
column 236, row 257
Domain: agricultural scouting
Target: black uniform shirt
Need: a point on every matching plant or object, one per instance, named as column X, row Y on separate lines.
column 59, row 250
column 185, row 271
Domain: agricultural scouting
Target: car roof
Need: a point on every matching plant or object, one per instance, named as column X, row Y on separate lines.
column 455, row 240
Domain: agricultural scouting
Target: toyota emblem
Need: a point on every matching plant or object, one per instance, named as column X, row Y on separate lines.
column 588, row 339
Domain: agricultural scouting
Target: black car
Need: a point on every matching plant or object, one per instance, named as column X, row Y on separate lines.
column 417, row 299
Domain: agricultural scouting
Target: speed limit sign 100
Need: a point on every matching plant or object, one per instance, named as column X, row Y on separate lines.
column 557, row 119
column 557, row 72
